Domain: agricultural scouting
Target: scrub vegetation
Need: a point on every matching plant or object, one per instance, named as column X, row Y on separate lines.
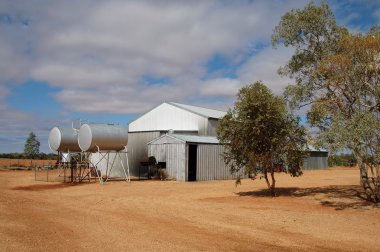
column 337, row 77
column 261, row 137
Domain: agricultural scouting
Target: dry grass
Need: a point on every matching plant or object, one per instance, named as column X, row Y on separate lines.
column 18, row 163
column 320, row 211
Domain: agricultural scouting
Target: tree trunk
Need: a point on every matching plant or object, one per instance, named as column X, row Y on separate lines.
column 370, row 185
column 267, row 180
column 273, row 186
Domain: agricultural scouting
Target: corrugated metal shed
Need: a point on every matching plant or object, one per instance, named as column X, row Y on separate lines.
column 174, row 150
column 317, row 160
column 191, row 125
column 181, row 118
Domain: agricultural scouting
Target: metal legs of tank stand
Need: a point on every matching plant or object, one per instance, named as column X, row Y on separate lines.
column 105, row 155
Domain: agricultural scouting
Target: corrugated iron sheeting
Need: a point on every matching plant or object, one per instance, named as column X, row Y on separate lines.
column 138, row 148
column 174, row 154
column 158, row 151
column 316, row 160
column 210, row 165
column 176, row 160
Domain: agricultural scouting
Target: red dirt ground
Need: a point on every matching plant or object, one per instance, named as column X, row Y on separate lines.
column 319, row 211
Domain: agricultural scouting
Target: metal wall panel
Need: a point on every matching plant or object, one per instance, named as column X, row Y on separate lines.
column 158, row 151
column 138, row 148
column 210, row 165
column 176, row 160
column 202, row 126
column 316, row 160
column 174, row 154
column 211, row 127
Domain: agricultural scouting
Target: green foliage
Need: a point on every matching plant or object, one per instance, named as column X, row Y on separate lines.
column 314, row 34
column 32, row 146
column 337, row 73
column 342, row 160
column 259, row 133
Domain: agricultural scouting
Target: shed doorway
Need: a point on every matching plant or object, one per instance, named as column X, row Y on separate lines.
column 192, row 162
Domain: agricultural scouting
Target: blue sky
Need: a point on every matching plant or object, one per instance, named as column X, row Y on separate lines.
column 109, row 61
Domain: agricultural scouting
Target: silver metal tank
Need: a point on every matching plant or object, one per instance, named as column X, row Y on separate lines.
column 63, row 139
column 105, row 136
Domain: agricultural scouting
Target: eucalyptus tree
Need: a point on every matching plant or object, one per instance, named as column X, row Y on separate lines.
column 32, row 146
column 260, row 136
column 337, row 75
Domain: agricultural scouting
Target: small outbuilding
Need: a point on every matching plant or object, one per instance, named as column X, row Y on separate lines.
column 168, row 116
column 190, row 157
column 317, row 159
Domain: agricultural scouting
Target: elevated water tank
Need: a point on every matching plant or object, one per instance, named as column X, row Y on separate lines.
column 105, row 136
column 63, row 139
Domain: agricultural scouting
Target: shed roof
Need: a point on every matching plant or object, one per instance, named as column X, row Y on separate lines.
column 185, row 139
column 314, row 149
column 211, row 113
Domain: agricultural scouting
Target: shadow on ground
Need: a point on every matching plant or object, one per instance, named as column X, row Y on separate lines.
column 335, row 196
column 41, row 187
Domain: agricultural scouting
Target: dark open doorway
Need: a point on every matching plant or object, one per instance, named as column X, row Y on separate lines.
column 192, row 162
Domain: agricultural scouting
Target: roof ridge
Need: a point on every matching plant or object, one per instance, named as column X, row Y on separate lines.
column 177, row 103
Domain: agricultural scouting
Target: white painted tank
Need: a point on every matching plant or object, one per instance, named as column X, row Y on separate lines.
column 105, row 136
column 63, row 139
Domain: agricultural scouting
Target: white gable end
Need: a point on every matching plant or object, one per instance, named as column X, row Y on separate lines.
column 166, row 117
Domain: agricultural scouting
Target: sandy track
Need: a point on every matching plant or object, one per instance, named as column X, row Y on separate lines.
column 317, row 212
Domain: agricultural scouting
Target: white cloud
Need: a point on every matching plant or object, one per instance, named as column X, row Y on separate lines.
column 117, row 99
column 220, row 87
column 97, row 53
column 263, row 67
column 115, row 44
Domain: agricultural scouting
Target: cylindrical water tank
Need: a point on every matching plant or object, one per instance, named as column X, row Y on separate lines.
column 64, row 139
column 105, row 136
